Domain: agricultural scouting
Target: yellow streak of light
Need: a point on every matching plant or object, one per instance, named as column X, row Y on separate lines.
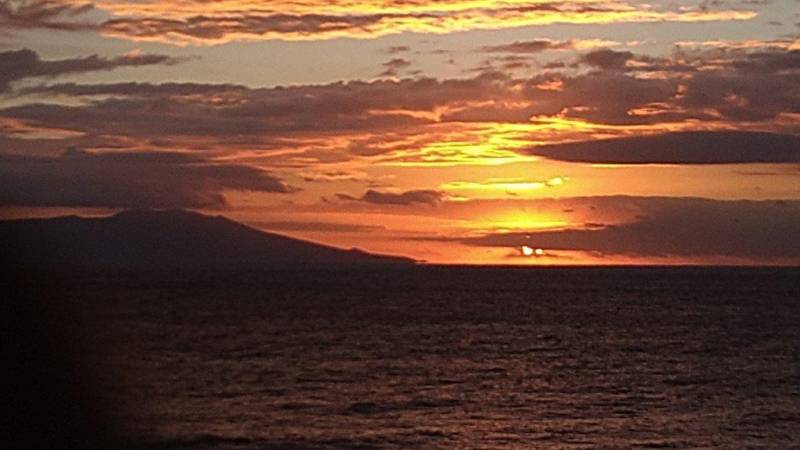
column 492, row 143
column 503, row 186
column 499, row 186
column 488, row 144
column 515, row 222
column 196, row 7
column 448, row 154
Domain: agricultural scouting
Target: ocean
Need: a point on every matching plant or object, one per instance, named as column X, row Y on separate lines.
column 426, row 357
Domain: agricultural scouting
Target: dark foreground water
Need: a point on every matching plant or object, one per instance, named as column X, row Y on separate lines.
column 450, row 358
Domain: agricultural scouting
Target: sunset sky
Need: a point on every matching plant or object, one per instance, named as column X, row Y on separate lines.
column 451, row 131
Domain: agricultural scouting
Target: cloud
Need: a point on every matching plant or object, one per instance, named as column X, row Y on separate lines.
column 750, row 88
column 394, row 66
column 226, row 110
column 395, row 49
column 193, row 21
column 504, row 186
column 784, row 44
column 53, row 15
column 301, row 26
column 727, row 85
column 748, row 58
column 699, row 147
column 16, row 65
column 255, row 116
column 426, row 120
column 137, row 90
column 534, row 46
column 607, row 59
column 675, row 227
column 424, row 197
column 541, row 45
column 326, row 227
column 332, row 176
column 127, row 180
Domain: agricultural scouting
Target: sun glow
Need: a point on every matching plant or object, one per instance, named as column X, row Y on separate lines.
column 518, row 221
column 502, row 186
column 530, row 251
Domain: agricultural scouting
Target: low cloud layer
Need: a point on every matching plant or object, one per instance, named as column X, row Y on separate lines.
column 702, row 147
column 126, row 180
column 325, row 227
column 675, row 227
column 408, row 198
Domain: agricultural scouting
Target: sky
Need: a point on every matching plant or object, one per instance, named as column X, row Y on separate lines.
column 452, row 131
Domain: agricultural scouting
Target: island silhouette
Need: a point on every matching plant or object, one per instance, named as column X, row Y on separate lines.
column 166, row 239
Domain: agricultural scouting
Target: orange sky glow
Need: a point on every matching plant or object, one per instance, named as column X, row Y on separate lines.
column 522, row 132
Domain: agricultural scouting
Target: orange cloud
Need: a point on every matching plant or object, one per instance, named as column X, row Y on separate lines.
column 201, row 22
column 489, row 119
column 749, row 44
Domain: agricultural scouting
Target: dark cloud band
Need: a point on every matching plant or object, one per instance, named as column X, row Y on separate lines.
column 702, row 147
column 127, row 180
column 16, row 65
column 420, row 197
column 669, row 227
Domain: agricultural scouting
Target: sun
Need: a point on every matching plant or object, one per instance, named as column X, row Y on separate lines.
column 529, row 251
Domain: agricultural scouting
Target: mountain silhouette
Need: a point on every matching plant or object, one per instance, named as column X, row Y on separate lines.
column 165, row 238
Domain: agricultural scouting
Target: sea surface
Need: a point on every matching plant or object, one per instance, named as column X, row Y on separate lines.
column 440, row 357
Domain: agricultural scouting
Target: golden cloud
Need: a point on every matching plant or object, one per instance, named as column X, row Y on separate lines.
column 201, row 22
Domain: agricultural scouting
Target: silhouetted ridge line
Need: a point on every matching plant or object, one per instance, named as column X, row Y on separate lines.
column 165, row 238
